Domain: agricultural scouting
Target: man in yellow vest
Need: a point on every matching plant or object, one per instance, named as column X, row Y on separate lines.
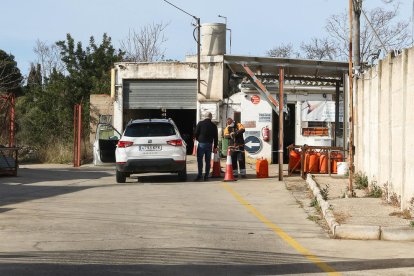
column 234, row 132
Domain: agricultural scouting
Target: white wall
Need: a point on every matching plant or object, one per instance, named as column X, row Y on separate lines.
column 384, row 127
column 250, row 112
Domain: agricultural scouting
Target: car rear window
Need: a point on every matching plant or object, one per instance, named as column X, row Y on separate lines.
column 149, row 130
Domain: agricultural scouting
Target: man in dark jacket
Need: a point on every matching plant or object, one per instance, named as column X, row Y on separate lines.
column 207, row 136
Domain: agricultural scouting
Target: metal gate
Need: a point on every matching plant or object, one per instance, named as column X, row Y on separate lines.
column 157, row 94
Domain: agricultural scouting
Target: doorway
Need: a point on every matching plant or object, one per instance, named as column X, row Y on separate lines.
column 289, row 123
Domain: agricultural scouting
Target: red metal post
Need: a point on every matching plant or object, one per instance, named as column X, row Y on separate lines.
column 79, row 134
column 351, row 108
column 281, row 81
column 12, row 120
column 75, row 112
column 77, row 123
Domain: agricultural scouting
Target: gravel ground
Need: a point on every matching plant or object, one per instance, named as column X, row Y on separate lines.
column 359, row 210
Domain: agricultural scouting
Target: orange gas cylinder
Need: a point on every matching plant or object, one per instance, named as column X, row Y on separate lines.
column 323, row 163
column 340, row 157
column 294, row 160
column 306, row 162
column 313, row 163
column 334, row 162
column 262, row 168
column 336, row 157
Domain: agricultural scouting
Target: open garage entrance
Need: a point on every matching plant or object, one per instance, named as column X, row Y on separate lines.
column 163, row 98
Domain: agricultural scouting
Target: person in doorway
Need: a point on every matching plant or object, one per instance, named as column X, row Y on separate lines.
column 207, row 136
column 234, row 132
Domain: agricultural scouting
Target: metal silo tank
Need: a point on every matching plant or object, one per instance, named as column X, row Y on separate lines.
column 213, row 39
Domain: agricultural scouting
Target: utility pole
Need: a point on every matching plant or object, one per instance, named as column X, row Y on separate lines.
column 356, row 26
column 198, row 25
column 351, row 106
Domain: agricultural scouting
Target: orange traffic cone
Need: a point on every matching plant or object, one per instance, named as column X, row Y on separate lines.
column 216, row 165
column 195, row 148
column 229, row 168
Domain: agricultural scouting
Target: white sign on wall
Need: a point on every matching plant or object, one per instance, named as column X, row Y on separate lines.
column 265, row 117
column 209, row 107
column 319, row 111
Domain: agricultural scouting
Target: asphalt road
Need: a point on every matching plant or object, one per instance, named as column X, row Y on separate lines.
column 59, row 220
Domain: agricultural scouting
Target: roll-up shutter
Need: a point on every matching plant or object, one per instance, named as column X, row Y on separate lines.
column 155, row 94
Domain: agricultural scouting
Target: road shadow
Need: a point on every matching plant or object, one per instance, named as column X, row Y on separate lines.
column 180, row 261
column 36, row 183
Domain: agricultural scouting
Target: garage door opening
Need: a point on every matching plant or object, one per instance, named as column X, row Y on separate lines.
column 185, row 119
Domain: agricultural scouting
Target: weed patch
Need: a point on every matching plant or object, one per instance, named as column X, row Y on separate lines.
column 361, row 181
column 375, row 191
column 313, row 218
column 325, row 192
column 402, row 214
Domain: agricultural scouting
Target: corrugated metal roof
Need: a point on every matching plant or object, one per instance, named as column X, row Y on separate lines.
column 272, row 81
column 295, row 68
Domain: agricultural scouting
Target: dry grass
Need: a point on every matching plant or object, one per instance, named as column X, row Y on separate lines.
column 55, row 153
column 314, row 218
column 341, row 217
column 394, row 200
column 405, row 214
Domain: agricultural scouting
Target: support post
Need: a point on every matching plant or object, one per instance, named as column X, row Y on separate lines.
column 77, row 134
column 198, row 56
column 281, row 81
column 336, row 113
column 75, row 113
column 351, row 108
column 12, row 120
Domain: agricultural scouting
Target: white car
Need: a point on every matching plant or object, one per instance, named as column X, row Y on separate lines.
column 150, row 145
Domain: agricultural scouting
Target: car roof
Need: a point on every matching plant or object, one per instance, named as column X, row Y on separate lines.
column 150, row 121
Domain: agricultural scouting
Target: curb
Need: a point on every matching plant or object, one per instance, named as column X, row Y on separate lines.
column 395, row 233
column 357, row 232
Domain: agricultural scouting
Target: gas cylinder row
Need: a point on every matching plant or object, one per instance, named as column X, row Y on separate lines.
column 315, row 162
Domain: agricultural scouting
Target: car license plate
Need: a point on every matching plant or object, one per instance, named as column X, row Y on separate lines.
column 150, row 148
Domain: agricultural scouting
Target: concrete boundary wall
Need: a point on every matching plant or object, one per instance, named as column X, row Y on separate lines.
column 384, row 125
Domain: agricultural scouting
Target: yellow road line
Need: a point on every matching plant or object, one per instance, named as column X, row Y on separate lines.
column 291, row 241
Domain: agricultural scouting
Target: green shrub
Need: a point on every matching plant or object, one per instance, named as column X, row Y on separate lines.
column 314, row 202
column 325, row 192
column 361, row 181
column 375, row 191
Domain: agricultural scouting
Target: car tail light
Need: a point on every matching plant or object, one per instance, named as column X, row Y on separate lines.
column 177, row 142
column 125, row 144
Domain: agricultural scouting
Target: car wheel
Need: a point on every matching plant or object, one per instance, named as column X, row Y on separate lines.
column 182, row 175
column 120, row 177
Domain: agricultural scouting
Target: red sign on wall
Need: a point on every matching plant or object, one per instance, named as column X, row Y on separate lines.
column 255, row 99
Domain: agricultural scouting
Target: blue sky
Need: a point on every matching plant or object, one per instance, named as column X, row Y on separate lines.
column 257, row 25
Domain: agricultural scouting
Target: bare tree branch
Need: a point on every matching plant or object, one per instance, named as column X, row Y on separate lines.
column 145, row 45
column 49, row 58
column 282, row 51
column 394, row 34
column 320, row 49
